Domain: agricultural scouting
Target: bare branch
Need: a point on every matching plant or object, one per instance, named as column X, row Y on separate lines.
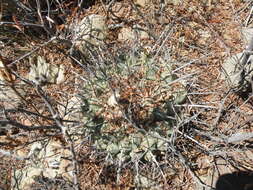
column 21, row 5
column 26, row 127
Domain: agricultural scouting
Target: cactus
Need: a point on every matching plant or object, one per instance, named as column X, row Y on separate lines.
column 144, row 91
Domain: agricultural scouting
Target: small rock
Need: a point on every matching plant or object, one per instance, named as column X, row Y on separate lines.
column 112, row 100
column 144, row 182
column 173, row 2
column 9, row 97
column 52, row 155
column 71, row 110
column 44, row 159
column 232, row 71
column 247, row 34
column 22, row 153
column 131, row 34
column 91, row 30
column 66, row 168
column 143, row 3
column 23, row 178
column 43, row 73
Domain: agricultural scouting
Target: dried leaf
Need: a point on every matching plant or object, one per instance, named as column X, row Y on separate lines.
column 17, row 24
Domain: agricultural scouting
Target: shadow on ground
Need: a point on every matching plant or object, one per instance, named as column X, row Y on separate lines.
column 235, row 181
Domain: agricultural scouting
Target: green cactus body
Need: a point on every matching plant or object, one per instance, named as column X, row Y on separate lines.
column 153, row 110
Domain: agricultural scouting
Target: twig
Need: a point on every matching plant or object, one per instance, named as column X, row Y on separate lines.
column 37, row 114
column 215, row 33
column 221, row 109
column 65, row 134
column 39, row 12
column 181, row 78
column 189, row 63
column 195, row 105
column 21, row 5
column 209, row 136
column 239, row 137
column 194, row 140
column 150, row 29
column 31, row 52
column 21, row 23
column 48, row 14
column 249, row 16
column 27, row 127
column 192, row 173
column 168, row 30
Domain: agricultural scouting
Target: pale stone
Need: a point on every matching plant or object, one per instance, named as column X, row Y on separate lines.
column 43, row 72
column 230, row 73
column 174, row 2
column 140, row 32
column 66, row 169
column 112, row 101
column 232, row 70
column 144, row 182
column 143, row 3
column 91, row 30
column 60, row 76
column 22, row 153
column 126, row 34
column 223, row 167
column 44, row 159
column 205, row 36
column 131, row 34
column 50, row 173
column 35, row 149
column 23, row 178
column 52, row 154
column 71, row 109
column 247, row 34
column 9, row 97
